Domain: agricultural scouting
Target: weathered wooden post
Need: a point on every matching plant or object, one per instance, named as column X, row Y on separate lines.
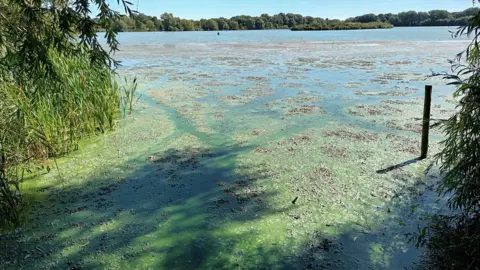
column 426, row 121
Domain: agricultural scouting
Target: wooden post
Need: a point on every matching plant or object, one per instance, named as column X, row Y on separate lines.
column 426, row 121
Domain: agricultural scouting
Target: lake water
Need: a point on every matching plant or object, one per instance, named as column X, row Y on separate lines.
column 395, row 34
column 253, row 149
column 308, row 115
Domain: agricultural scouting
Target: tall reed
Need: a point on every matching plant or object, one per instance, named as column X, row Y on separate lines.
column 42, row 116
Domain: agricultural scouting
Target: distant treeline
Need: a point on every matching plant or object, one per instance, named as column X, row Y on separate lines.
column 413, row 18
column 341, row 25
column 168, row 22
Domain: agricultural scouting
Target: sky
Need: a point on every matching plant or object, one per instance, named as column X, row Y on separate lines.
column 333, row 9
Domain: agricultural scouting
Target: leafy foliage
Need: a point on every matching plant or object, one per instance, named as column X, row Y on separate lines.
column 29, row 29
column 461, row 149
column 413, row 18
column 56, row 85
column 453, row 241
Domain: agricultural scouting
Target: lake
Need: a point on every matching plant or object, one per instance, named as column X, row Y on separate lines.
column 395, row 34
column 307, row 115
column 255, row 149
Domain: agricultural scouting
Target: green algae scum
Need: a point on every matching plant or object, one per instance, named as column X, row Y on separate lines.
column 248, row 155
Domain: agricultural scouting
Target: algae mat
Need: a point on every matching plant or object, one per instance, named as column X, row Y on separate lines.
column 273, row 159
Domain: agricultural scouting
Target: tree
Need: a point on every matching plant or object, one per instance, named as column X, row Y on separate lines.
column 188, row 25
column 422, row 18
column 366, row 18
column 46, row 49
column 408, row 18
column 170, row 23
column 211, row 25
column 437, row 14
column 130, row 24
column 394, row 19
column 157, row 23
column 223, row 24
column 259, row 24
column 140, row 26
column 234, row 25
column 280, row 21
column 150, row 26
column 453, row 240
column 250, row 23
column 54, row 24
column 119, row 26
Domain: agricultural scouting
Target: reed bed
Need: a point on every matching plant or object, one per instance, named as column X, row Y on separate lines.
column 44, row 115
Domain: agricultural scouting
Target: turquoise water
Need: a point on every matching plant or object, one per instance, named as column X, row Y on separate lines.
column 395, row 34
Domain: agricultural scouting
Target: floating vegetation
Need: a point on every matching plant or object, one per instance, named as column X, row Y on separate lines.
column 257, row 132
column 401, row 102
column 335, row 152
column 212, row 83
column 307, row 60
column 386, row 93
column 176, row 95
column 292, row 77
column 305, row 109
column 272, row 104
column 352, row 85
column 262, row 150
column 258, row 79
column 236, row 100
column 396, row 63
column 404, row 144
column 292, row 85
column 182, row 78
column 196, row 183
column 259, row 91
column 303, row 92
column 205, row 76
column 356, row 63
column 364, row 110
column 408, row 126
column 296, row 139
column 380, row 81
column 301, row 99
column 351, row 135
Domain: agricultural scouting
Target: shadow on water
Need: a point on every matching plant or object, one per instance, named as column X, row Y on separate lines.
column 400, row 165
column 174, row 212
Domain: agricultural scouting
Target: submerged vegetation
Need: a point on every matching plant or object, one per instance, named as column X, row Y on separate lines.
column 56, row 87
column 168, row 22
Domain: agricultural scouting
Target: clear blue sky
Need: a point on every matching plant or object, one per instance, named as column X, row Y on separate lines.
column 335, row 9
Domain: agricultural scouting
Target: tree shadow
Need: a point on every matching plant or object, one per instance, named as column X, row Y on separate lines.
column 176, row 212
column 187, row 193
